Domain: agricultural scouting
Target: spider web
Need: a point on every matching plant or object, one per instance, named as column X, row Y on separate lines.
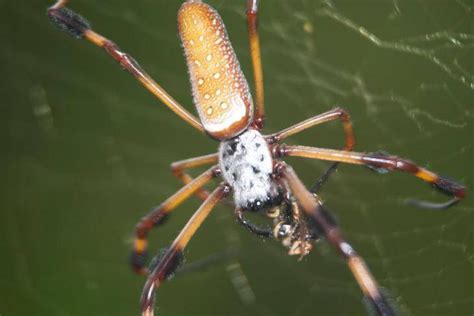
column 86, row 154
column 358, row 56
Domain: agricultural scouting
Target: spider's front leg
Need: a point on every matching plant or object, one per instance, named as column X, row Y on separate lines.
column 381, row 162
column 334, row 236
column 78, row 27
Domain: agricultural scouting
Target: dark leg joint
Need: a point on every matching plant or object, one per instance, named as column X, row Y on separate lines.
column 167, row 264
column 113, row 50
column 382, row 162
column 345, row 118
column 216, row 172
column 279, row 151
column 258, row 123
column 125, row 60
column 137, row 261
column 450, row 187
column 280, row 166
column 163, row 267
column 272, row 139
column 139, row 253
column 342, row 114
column 145, row 224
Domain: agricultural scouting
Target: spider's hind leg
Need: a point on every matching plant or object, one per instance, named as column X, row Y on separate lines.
column 329, row 229
column 172, row 257
column 158, row 216
column 178, row 168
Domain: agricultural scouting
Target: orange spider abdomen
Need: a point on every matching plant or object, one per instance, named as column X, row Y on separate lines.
column 220, row 90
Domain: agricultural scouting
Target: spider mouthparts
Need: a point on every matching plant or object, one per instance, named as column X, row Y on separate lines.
column 69, row 21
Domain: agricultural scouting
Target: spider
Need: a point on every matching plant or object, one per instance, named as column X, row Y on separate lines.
column 249, row 162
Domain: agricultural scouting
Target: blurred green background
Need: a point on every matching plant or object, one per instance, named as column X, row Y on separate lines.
column 85, row 152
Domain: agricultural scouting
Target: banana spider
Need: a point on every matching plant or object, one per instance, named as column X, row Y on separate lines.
column 250, row 163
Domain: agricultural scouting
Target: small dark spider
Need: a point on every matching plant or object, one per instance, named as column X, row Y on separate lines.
column 249, row 162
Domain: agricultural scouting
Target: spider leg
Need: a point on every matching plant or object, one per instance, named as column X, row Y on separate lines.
column 59, row 4
column 381, row 162
column 333, row 234
column 159, row 214
column 331, row 115
column 262, row 232
column 324, row 178
column 334, row 114
column 170, row 260
column 78, row 27
column 178, row 168
column 252, row 27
